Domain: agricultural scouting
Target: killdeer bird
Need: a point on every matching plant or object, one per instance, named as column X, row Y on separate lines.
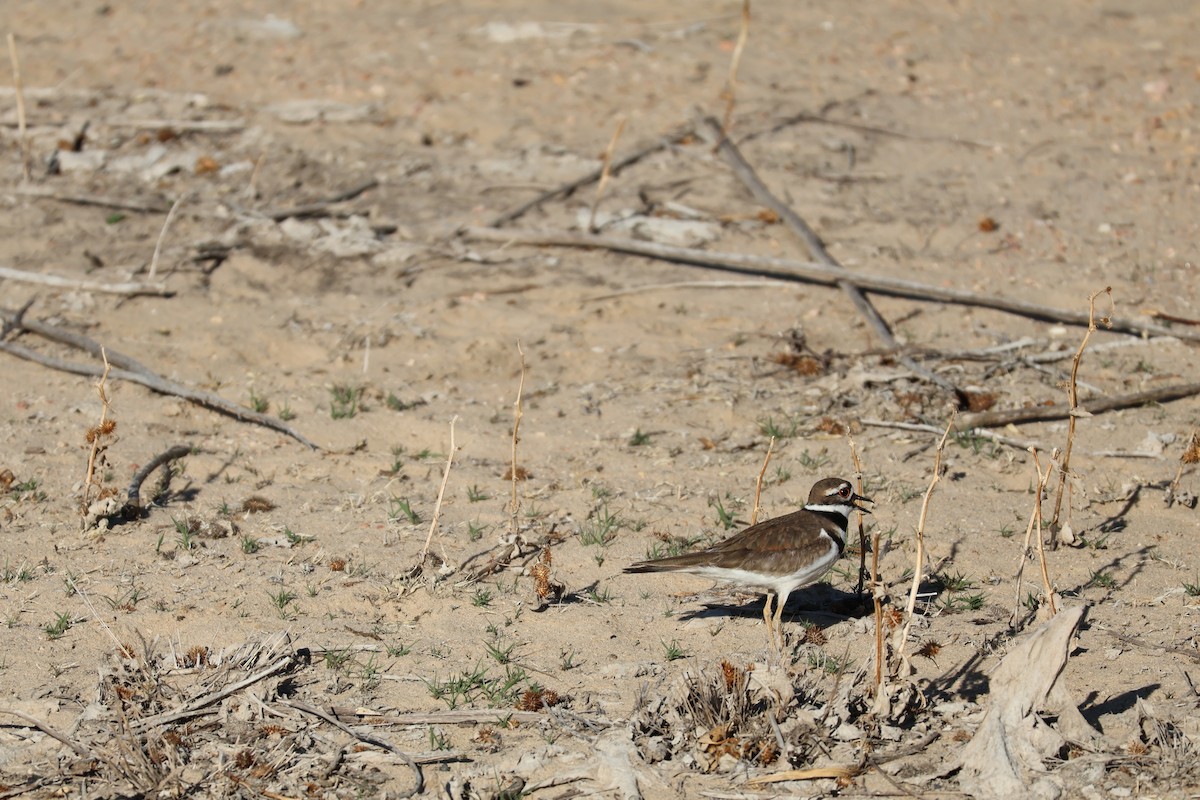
column 780, row 554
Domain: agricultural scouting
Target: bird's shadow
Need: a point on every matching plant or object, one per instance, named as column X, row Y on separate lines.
column 820, row 604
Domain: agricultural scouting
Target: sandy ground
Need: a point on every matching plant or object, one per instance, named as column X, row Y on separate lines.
column 1031, row 151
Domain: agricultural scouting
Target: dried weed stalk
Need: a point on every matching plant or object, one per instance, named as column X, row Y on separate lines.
column 862, row 534
column 1035, row 524
column 99, row 502
column 19, row 88
column 758, row 484
column 729, row 95
column 895, row 691
column 437, row 507
column 605, row 173
column 514, row 508
column 1064, row 468
column 1191, row 455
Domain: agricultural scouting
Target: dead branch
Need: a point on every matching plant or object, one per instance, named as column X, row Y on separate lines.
column 570, row 187
column 437, row 508
column 605, row 173
column 320, row 208
column 367, row 739
column 201, row 704
column 79, row 749
column 809, row 272
column 131, row 288
column 1000, row 417
column 128, row 369
column 95, row 200
column 133, row 495
column 816, row 248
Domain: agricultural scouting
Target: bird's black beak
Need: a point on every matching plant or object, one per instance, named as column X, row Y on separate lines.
column 856, row 499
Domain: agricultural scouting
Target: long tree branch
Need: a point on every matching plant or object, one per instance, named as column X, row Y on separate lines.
column 810, row 272
column 129, row 369
column 816, row 248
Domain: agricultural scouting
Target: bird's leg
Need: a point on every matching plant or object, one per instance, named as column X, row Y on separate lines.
column 768, row 617
column 781, row 601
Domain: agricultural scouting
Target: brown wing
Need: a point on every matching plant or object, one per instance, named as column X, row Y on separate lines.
column 768, row 541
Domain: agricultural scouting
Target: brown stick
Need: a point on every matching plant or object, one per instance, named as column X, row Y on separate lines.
column 320, row 208
column 816, row 248
column 605, row 173
column 95, row 200
column 1001, row 417
column 569, row 188
column 758, row 484
column 130, row 370
column 809, row 272
column 131, row 288
column 80, row 750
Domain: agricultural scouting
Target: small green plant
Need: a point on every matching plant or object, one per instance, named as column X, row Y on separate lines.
column 344, row 401
column 474, row 531
column 782, row 475
column 397, row 650
column 337, row 660
column 114, row 218
column 399, row 507
column 250, row 545
column 601, row 596
column 282, row 601
column 600, row 528
column 956, row 582
column 286, row 413
column 481, row 599
column 811, row 462
column 438, row 740
column 786, row 429
column 295, row 539
column 70, row 583
column 60, row 625
column 501, row 655
column 1102, row 579
column 724, row 516
column 187, row 537
column 567, row 663
column 673, row 651
column 475, row 494
column 832, row 665
column 22, row 573
column 1192, row 589
column 1006, row 531
column 638, row 439
column 258, row 403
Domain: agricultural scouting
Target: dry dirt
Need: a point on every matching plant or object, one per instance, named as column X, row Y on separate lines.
column 1035, row 151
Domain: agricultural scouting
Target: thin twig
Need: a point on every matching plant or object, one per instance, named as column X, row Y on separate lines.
column 131, row 288
column 437, row 507
column 162, row 234
column 19, row 89
column 758, row 484
column 515, row 506
column 1047, row 588
column 131, row 370
column 811, row 272
column 570, row 187
column 605, row 173
column 180, row 125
